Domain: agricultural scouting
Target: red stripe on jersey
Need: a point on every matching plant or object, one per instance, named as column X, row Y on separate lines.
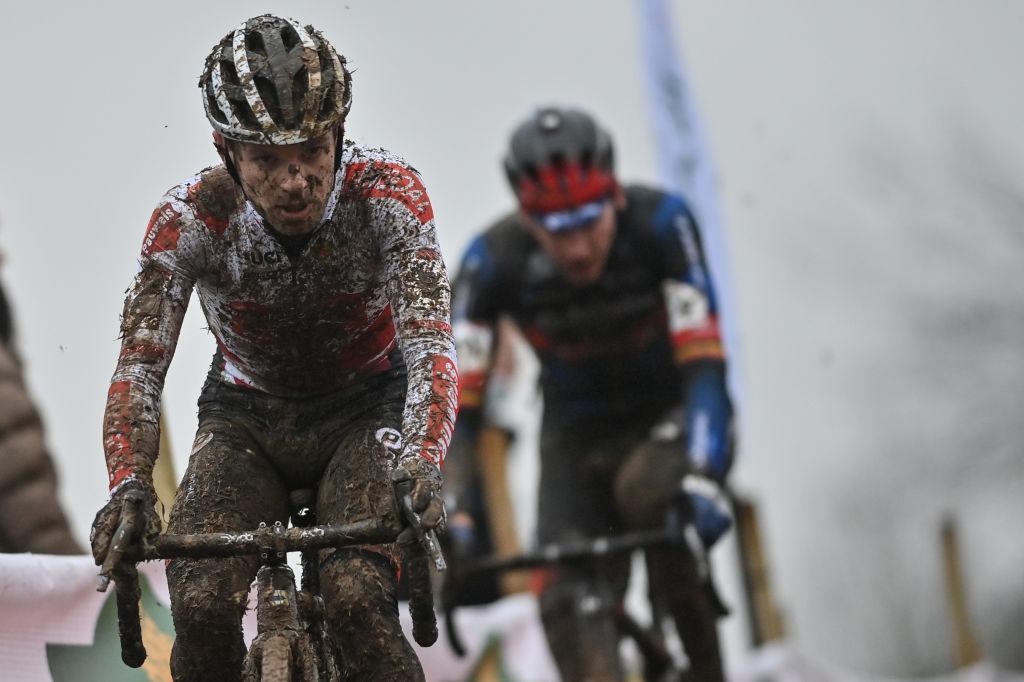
column 382, row 180
column 144, row 352
column 438, row 325
column 163, row 231
column 117, row 445
column 444, row 396
column 378, row 339
column 700, row 343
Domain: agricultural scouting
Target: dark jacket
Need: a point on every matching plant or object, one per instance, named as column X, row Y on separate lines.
column 31, row 519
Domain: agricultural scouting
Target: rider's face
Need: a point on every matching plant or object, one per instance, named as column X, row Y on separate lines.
column 288, row 183
column 581, row 253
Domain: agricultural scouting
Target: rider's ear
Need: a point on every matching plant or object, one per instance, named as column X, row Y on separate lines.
column 220, row 144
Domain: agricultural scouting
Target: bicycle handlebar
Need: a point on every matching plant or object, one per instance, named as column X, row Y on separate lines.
column 275, row 539
column 571, row 551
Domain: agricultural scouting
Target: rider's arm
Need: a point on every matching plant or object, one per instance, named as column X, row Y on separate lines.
column 150, row 323
column 693, row 323
column 475, row 311
column 420, row 298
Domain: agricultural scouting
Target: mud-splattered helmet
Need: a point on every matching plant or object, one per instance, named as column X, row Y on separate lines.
column 560, row 165
column 273, row 81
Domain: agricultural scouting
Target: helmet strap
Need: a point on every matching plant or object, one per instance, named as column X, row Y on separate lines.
column 221, row 145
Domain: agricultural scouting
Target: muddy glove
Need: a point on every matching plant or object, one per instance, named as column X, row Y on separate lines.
column 109, row 517
column 703, row 501
column 426, row 491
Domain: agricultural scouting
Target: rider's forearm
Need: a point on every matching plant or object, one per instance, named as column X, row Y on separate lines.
column 708, row 418
column 431, row 403
column 150, row 324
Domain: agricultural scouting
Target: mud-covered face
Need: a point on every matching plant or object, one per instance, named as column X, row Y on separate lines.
column 581, row 253
column 289, row 184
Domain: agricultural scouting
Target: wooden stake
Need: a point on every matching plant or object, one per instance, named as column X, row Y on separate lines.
column 966, row 649
column 766, row 620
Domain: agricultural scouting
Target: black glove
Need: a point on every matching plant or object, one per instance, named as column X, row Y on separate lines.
column 109, row 518
column 426, row 491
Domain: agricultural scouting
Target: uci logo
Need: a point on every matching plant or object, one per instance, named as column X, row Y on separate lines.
column 266, row 258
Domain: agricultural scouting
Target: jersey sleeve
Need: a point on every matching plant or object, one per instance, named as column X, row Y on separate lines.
column 692, row 313
column 475, row 317
column 690, row 303
column 420, row 297
column 150, row 323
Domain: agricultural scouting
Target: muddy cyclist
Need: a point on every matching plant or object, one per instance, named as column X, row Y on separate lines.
column 317, row 265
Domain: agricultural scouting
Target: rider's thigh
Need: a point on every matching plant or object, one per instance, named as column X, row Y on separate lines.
column 646, row 481
column 575, row 483
column 356, row 483
column 228, row 486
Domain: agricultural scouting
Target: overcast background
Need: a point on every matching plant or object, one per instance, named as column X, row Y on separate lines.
column 870, row 155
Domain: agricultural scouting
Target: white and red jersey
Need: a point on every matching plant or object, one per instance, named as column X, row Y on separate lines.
column 369, row 282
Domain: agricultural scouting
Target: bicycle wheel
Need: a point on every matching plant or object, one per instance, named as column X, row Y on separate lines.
column 276, row 663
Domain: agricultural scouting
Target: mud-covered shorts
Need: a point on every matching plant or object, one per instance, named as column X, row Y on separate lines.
column 251, row 450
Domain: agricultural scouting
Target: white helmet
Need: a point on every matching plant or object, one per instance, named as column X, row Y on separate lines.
column 273, row 81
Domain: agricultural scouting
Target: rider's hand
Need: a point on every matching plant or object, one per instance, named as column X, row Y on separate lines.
column 426, row 491
column 109, row 517
column 706, row 505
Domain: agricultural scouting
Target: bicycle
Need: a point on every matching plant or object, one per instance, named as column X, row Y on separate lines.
column 291, row 644
column 600, row 602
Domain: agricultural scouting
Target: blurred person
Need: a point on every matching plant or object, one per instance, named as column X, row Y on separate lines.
column 31, row 517
column 609, row 285
column 316, row 263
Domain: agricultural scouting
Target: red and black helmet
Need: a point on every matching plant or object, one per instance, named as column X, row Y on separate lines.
column 559, row 161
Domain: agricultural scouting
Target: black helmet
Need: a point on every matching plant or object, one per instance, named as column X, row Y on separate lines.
column 560, row 159
column 273, row 81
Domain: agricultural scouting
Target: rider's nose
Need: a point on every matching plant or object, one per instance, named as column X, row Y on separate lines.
column 294, row 180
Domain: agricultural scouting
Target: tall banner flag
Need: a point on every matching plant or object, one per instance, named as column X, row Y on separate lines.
column 685, row 165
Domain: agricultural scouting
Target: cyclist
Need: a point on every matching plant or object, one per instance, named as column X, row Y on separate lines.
column 609, row 285
column 317, row 265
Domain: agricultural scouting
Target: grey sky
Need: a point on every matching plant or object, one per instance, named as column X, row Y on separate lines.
column 871, row 160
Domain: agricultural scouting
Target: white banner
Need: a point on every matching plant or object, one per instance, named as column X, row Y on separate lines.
column 55, row 627
column 685, row 163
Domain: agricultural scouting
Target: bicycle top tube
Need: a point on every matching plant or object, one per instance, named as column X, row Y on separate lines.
column 270, row 539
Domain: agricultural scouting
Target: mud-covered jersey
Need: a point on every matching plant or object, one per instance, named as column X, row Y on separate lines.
column 367, row 290
column 613, row 348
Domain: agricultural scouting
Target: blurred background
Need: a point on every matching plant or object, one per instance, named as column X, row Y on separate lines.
column 871, row 175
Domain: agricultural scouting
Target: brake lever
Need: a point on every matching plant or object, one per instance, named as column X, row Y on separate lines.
column 125, row 538
column 427, row 538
